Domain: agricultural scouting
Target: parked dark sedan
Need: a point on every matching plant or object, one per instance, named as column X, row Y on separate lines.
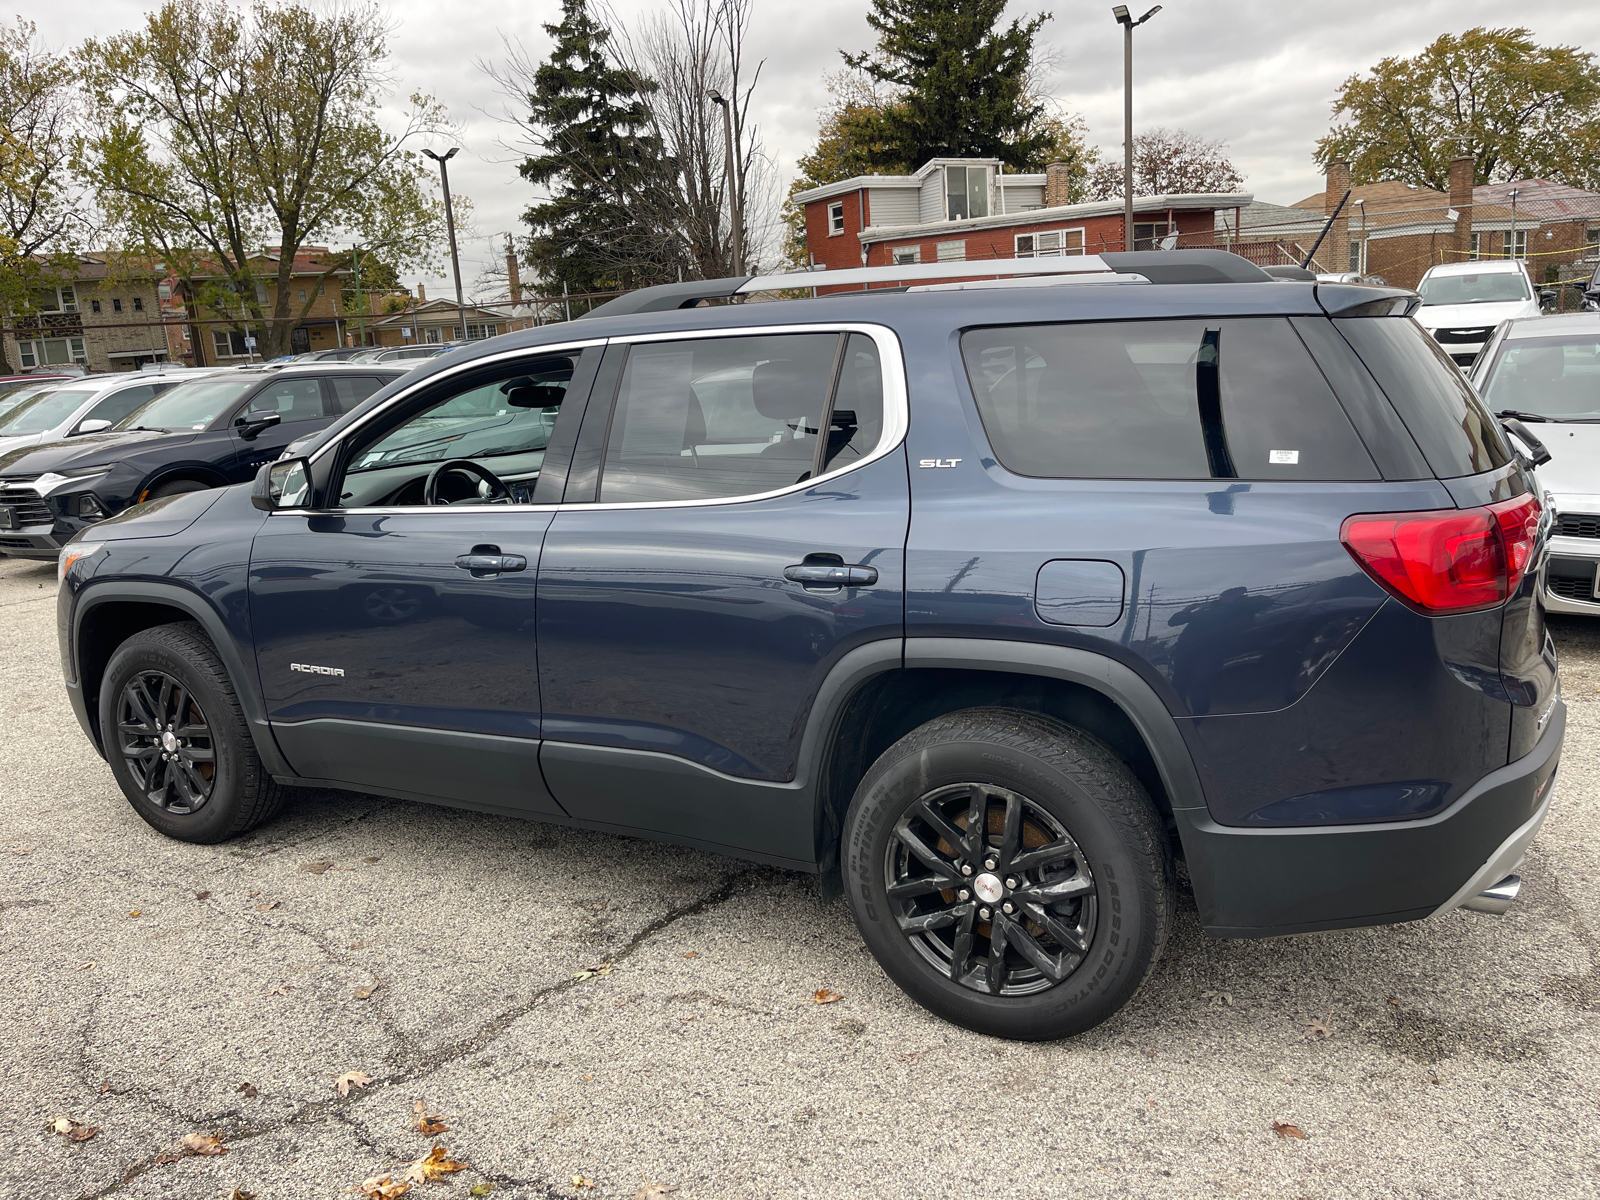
column 206, row 433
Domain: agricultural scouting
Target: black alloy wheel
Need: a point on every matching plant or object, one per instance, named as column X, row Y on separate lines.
column 167, row 742
column 991, row 889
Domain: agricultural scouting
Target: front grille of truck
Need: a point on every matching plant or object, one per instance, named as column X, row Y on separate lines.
column 1572, row 587
column 1574, row 525
column 1468, row 336
column 31, row 507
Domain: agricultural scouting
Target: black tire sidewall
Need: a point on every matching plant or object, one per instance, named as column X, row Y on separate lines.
column 218, row 818
column 1126, row 935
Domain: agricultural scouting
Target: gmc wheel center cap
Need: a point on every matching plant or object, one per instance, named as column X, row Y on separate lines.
column 987, row 888
column 169, row 742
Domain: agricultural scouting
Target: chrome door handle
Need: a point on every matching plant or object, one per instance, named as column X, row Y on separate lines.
column 492, row 562
column 828, row 575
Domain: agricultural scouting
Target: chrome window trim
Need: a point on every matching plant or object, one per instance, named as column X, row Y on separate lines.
column 896, row 420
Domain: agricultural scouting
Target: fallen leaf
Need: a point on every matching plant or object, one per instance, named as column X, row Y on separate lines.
column 136, row 912
column 1394, row 1002
column 431, row 1124
column 315, row 868
column 199, row 1143
column 283, row 989
column 381, row 1187
column 22, row 849
column 653, row 1191
column 826, row 996
column 582, row 1181
column 1284, row 1130
column 88, row 966
column 692, row 954
column 433, row 1166
column 372, row 859
column 241, row 1194
column 912, row 1056
column 269, row 906
column 352, row 1079
column 480, row 1189
column 365, row 993
column 249, row 1090
column 74, row 1130
column 202, row 895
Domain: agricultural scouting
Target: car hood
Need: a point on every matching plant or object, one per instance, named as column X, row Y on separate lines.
column 1574, row 466
column 1473, row 316
column 90, row 450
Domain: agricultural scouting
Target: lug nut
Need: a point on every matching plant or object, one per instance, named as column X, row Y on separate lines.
column 964, row 894
column 990, row 864
column 983, row 913
column 1011, row 883
column 1006, row 907
column 966, row 868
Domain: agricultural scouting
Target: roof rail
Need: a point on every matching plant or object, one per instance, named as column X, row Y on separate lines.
column 1157, row 266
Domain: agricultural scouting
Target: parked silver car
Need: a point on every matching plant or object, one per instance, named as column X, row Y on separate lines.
column 1545, row 373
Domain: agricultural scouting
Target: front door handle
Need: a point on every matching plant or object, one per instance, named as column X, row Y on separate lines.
column 829, row 575
column 492, row 562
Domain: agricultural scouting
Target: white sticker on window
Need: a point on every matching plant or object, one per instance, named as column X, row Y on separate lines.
column 1290, row 457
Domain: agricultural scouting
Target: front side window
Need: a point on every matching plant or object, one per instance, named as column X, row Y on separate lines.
column 1553, row 377
column 1223, row 399
column 44, row 413
column 722, row 417
column 119, row 404
column 189, row 405
column 1480, row 287
column 502, row 423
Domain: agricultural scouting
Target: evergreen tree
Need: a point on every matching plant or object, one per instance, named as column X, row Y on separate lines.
column 591, row 120
column 961, row 84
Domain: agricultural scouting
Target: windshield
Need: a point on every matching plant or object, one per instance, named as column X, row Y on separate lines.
column 1553, row 377
column 189, row 405
column 44, row 413
column 1485, row 287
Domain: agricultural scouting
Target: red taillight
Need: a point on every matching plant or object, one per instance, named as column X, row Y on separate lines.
column 1449, row 561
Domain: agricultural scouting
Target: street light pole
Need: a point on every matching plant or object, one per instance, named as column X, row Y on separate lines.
column 1513, row 248
column 735, row 207
column 450, row 224
column 1120, row 12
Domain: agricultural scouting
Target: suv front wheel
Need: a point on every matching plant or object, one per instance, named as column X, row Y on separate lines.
column 1009, row 872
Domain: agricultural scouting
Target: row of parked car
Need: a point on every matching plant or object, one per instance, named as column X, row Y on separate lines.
column 75, row 450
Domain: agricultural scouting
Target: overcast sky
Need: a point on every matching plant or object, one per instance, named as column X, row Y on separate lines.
column 1257, row 74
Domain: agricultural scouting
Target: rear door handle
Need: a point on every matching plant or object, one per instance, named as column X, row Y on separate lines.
column 828, row 575
column 492, row 562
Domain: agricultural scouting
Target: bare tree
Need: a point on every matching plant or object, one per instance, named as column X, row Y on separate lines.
column 1168, row 162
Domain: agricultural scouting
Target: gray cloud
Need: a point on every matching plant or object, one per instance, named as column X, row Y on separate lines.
column 1257, row 74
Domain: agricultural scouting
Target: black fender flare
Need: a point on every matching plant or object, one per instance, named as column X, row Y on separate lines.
column 198, row 471
column 240, row 671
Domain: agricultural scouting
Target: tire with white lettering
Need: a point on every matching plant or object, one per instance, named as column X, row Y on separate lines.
column 178, row 742
column 1009, row 872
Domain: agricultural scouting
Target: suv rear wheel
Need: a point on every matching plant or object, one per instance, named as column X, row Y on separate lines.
column 1009, row 873
column 177, row 741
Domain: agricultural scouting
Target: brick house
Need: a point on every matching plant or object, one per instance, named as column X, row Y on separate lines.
column 969, row 209
column 108, row 317
column 431, row 322
column 1558, row 227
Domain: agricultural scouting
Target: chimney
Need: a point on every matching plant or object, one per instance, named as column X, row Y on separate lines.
column 513, row 276
column 422, row 294
column 1461, row 168
column 1335, row 252
column 1058, row 183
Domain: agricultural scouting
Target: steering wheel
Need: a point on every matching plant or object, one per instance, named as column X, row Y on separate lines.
column 497, row 486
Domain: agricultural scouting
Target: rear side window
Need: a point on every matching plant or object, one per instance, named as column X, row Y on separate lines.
column 717, row 418
column 1451, row 427
column 293, row 399
column 350, row 391
column 1225, row 399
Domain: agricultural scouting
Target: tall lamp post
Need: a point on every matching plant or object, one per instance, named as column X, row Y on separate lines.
column 450, row 224
column 735, row 206
column 1120, row 12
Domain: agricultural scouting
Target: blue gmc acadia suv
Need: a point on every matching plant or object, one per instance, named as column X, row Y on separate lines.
column 987, row 600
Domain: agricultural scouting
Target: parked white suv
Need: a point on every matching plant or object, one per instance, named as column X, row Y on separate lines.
column 81, row 406
column 1545, row 372
column 1463, row 302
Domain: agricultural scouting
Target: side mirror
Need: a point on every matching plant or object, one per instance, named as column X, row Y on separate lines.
column 1538, row 454
column 94, row 426
column 282, row 484
column 253, row 425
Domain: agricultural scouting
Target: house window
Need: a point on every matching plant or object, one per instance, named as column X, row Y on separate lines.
column 52, row 352
column 261, row 293
column 164, row 291
column 478, row 332
column 952, row 252
column 1052, row 243
column 94, row 306
column 55, row 299
column 966, row 192
column 138, row 304
column 1519, row 244
column 229, row 343
column 302, row 295
column 1591, row 243
column 116, row 305
column 431, row 336
column 1475, row 246
column 905, row 255
column 1146, row 237
column 836, row 219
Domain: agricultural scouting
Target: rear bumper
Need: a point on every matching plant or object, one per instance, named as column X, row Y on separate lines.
column 1271, row 882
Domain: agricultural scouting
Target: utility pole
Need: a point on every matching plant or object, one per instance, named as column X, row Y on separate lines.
column 450, row 224
column 1513, row 248
column 1120, row 12
column 735, row 201
column 361, row 312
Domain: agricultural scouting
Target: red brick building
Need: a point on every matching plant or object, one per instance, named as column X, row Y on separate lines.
column 969, row 210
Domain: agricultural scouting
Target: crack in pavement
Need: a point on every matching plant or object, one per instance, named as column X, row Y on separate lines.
column 426, row 1062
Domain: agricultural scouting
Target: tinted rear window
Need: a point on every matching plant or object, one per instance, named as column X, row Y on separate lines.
column 1218, row 399
column 1454, row 431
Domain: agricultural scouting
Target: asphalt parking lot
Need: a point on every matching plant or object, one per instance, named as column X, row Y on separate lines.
column 591, row 1015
